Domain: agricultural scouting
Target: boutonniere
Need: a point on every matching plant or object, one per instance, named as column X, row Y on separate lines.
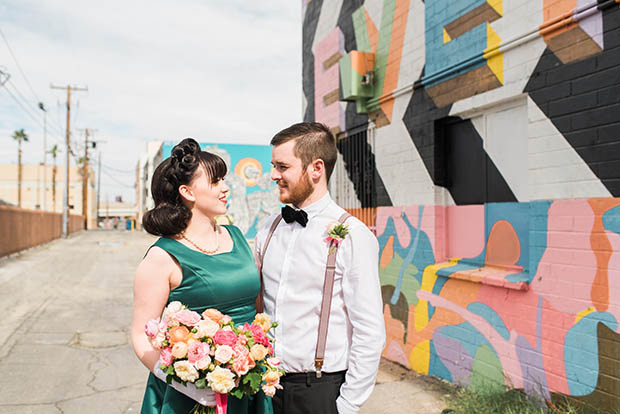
column 336, row 233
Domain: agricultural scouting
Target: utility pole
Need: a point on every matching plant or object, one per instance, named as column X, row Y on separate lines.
column 42, row 107
column 98, row 187
column 85, row 177
column 65, row 206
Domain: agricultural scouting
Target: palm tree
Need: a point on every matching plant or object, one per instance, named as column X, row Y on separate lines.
column 19, row 136
column 54, row 152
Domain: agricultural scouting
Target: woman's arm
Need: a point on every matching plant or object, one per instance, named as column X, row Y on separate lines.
column 150, row 294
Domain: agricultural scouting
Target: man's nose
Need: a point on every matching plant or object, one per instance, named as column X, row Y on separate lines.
column 275, row 175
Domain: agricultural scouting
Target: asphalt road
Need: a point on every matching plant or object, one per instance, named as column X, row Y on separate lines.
column 65, row 312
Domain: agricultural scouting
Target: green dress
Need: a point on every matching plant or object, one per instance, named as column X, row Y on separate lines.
column 228, row 282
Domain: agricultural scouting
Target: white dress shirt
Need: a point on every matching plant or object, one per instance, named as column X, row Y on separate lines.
column 294, row 271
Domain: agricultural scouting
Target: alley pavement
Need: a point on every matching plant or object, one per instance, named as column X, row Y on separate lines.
column 65, row 333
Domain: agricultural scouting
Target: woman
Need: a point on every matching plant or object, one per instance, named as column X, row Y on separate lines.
column 195, row 262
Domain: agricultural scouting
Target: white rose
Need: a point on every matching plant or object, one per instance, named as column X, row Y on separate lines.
column 221, row 380
column 158, row 340
column 331, row 226
column 186, row 371
column 206, row 328
column 203, row 363
column 223, row 353
column 172, row 309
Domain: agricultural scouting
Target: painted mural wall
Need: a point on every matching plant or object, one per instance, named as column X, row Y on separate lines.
column 253, row 195
column 493, row 128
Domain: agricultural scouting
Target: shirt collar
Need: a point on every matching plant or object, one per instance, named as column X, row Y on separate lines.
column 318, row 206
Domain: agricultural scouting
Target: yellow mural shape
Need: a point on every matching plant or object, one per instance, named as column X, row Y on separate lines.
column 446, row 36
column 420, row 357
column 497, row 5
column 495, row 58
column 429, row 277
column 250, row 169
column 584, row 313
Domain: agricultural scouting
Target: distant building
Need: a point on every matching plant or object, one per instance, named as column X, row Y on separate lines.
column 37, row 193
column 253, row 195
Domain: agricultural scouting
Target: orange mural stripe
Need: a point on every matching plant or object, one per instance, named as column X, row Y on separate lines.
column 388, row 253
column 399, row 26
column 373, row 32
column 601, row 246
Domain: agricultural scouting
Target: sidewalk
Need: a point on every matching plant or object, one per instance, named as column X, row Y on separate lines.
column 402, row 391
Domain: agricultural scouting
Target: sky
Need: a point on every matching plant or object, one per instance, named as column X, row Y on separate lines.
column 224, row 71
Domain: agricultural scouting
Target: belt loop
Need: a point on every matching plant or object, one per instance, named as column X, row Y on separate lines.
column 308, row 374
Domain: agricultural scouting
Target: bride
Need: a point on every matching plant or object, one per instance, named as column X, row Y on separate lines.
column 195, row 262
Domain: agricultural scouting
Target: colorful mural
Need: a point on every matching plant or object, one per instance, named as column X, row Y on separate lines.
column 494, row 127
column 253, row 195
column 505, row 294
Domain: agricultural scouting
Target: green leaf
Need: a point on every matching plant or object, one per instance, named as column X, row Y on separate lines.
column 169, row 370
column 169, row 379
column 237, row 393
column 201, row 383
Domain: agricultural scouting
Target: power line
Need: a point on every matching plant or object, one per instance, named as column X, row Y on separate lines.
column 119, row 171
column 19, row 66
column 125, row 185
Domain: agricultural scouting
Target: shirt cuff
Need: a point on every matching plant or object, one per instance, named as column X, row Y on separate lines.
column 344, row 407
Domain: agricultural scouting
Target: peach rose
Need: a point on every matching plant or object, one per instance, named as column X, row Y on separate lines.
column 274, row 362
column 272, row 377
column 172, row 309
column 178, row 334
column 263, row 320
column 258, row 352
column 225, row 319
column 270, row 389
column 213, row 314
column 206, row 328
column 179, row 350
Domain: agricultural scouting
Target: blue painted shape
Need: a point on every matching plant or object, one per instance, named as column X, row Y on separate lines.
column 581, row 352
column 467, row 47
column 237, row 152
column 436, row 366
column 611, row 220
column 490, row 316
column 469, row 337
column 539, row 220
column 409, row 259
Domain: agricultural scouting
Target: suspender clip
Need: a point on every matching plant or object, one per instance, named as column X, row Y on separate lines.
column 318, row 365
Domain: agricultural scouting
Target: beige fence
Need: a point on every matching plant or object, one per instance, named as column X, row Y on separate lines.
column 22, row 229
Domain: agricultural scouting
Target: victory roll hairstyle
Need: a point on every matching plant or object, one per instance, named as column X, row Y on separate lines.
column 170, row 216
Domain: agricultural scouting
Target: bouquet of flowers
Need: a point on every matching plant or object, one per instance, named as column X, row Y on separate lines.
column 210, row 351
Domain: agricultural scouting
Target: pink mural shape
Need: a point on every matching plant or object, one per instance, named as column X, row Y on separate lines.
column 327, row 80
column 613, row 270
column 563, row 278
column 465, row 228
column 396, row 213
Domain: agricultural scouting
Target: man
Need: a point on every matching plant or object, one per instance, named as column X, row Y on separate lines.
column 294, row 269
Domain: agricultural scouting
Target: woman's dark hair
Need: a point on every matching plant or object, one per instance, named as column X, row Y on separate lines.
column 170, row 216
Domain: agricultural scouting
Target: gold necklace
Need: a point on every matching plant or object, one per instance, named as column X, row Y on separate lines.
column 217, row 243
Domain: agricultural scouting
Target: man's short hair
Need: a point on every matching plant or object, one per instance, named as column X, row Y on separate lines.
column 313, row 140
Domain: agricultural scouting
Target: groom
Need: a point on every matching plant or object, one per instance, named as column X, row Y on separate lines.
column 294, row 268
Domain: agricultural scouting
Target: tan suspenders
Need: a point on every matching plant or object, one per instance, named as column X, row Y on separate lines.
column 328, row 288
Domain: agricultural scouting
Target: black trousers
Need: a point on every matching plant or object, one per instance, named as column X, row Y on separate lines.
column 304, row 393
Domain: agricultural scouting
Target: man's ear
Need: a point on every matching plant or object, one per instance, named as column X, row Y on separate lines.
column 187, row 193
column 317, row 169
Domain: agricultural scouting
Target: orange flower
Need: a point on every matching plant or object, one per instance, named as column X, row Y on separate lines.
column 178, row 334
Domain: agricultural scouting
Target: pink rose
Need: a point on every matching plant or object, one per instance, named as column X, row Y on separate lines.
column 259, row 335
column 225, row 319
column 206, row 328
column 224, row 337
column 196, row 351
column 223, row 354
column 154, row 327
column 270, row 389
column 179, row 350
column 242, row 340
column 188, row 317
column 243, row 362
column 165, row 356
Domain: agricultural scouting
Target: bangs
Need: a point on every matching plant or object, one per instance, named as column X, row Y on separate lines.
column 214, row 166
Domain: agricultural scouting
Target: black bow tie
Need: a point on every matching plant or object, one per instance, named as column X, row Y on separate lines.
column 289, row 214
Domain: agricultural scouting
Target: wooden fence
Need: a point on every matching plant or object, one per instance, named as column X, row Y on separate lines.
column 22, row 229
